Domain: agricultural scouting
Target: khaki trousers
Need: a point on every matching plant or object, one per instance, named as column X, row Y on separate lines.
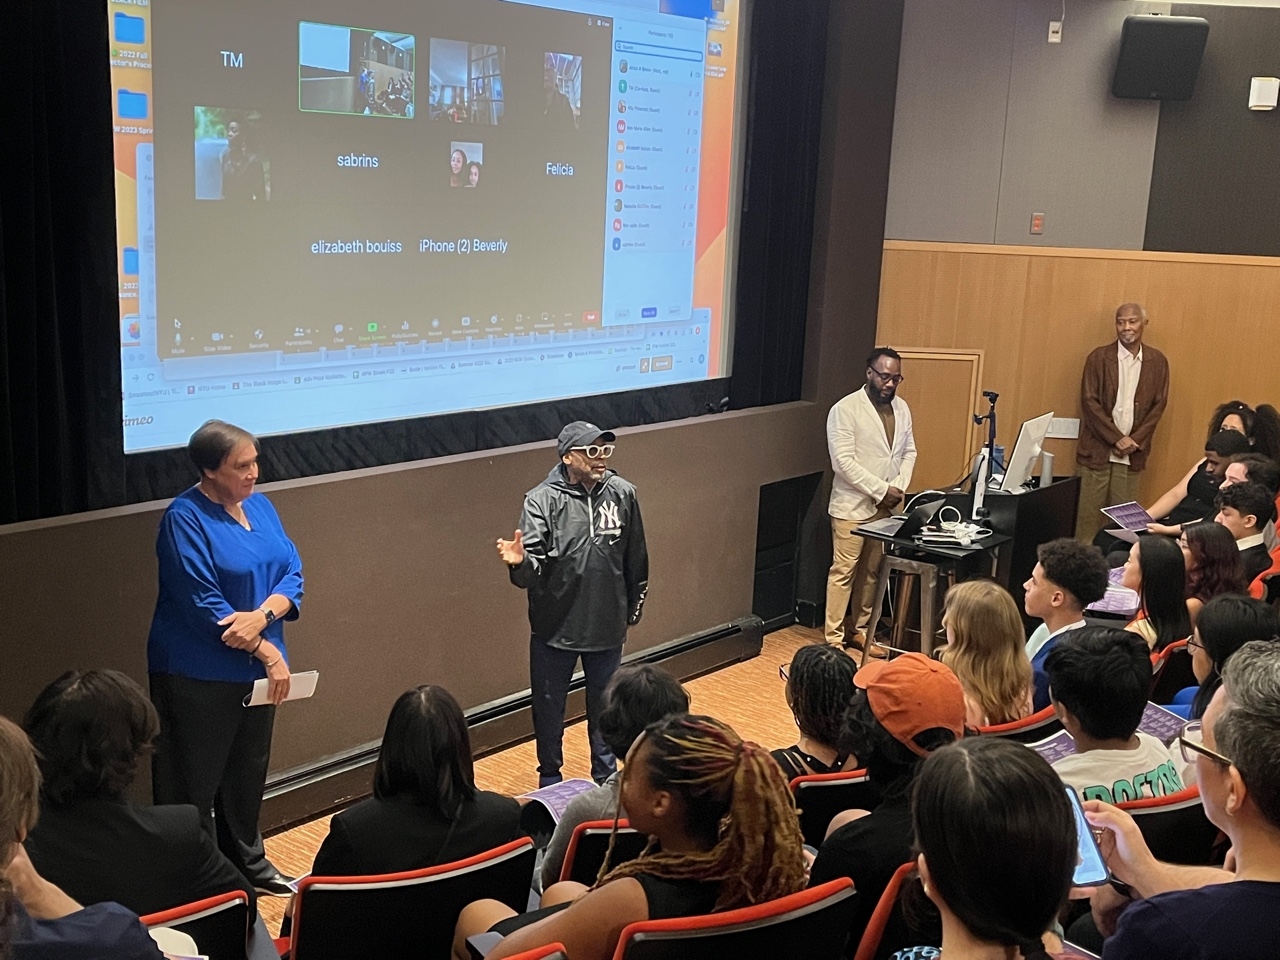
column 1115, row 483
column 855, row 569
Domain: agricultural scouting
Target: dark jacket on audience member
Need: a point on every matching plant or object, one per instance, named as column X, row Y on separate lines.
column 1098, row 388
column 388, row 836
column 146, row 858
column 1255, row 561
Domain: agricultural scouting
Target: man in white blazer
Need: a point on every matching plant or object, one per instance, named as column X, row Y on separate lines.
column 873, row 452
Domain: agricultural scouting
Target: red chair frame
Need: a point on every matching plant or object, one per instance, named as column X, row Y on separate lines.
column 814, row 784
column 592, row 827
column 879, row 921
column 189, row 916
column 1185, row 799
column 490, row 859
column 1041, row 724
column 744, row 919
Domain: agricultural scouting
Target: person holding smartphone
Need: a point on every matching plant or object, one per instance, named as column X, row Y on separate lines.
column 1187, row 911
column 998, row 847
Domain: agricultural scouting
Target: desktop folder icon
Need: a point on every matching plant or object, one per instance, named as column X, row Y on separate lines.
column 130, row 258
column 130, row 105
column 130, row 29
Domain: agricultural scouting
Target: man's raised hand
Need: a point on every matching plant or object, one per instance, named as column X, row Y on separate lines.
column 512, row 551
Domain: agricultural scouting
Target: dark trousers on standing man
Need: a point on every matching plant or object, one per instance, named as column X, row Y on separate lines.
column 213, row 753
column 550, row 670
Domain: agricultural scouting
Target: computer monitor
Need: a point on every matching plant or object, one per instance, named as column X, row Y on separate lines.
column 1031, row 434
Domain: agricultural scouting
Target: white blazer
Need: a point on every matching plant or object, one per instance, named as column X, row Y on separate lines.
column 864, row 463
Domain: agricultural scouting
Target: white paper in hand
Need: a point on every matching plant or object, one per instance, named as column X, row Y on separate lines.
column 301, row 686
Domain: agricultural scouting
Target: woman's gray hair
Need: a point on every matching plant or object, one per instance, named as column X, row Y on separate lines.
column 1248, row 729
column 213, row 442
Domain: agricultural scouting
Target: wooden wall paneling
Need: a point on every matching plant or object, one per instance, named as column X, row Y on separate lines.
column 942, row 389
column 1035, row 313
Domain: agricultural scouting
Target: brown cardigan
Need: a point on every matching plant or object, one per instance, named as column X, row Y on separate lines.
column 1098, row 388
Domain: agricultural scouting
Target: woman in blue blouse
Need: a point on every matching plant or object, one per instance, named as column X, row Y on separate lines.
column 229, row 578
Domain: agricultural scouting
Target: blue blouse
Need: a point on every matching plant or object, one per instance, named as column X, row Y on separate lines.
column 211, row 567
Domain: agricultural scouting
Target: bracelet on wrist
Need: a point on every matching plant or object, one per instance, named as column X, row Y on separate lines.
column 272, row 663
column 254, row 651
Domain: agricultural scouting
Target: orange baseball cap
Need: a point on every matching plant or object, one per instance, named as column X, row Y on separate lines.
column 911, row 694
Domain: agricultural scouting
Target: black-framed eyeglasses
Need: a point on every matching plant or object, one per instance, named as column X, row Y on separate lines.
column 782, row 670
column 887, row 377
column 1189, row 739
column 596, row 451
column 1193, row 644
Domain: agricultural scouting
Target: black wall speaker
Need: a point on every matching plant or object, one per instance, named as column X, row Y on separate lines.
column 1159, row 57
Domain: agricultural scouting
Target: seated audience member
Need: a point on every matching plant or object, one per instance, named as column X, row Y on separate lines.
column 1068, row 577
column 1234, row 415
column 1265, row 434
column 1205, row 912
column 1192, row 498
column 637, row 695
column 425, row 809
column 1255, row 468
column 901, row 711
column 90, row 729
column 997, row 848
column 1099, row 678
column 819, row 679
column 1244, row 509
column 1212, row 563
column 986, row 649
column 1156, row 572
column 1226, row 624
column 727, row 832
column 37, row 920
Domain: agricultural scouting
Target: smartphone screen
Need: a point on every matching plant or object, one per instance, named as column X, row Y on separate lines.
column 1091, row 871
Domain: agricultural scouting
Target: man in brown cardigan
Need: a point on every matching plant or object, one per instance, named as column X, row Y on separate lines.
column 1122, row 396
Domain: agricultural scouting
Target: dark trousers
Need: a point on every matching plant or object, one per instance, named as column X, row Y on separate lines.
column 213, row 753
column 550, row 671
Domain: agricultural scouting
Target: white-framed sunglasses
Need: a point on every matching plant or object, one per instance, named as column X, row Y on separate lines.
column 596, row 451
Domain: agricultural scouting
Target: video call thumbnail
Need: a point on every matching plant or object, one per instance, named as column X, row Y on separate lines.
column 562, row 91
column 466, row 163
column 231, row 159
column 466, row 82
column 355, row 71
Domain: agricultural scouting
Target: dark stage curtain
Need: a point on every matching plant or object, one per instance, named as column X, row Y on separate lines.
column 788, row 64
column 59, row 344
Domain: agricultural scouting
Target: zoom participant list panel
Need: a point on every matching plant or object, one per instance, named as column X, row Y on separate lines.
column 651, row 218
column 336, row 176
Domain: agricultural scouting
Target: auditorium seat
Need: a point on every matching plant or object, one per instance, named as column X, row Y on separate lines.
column 1176, row 828
column 590, row 841
column 219, row 925
column 552, row 951
column 813, row 924
column 1263, row 586
column 886, row 909
column 820, row 796
column 1170, row 672
column 1043, row 723
column 374, row 917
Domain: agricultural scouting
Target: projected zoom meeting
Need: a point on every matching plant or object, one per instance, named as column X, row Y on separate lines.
column 347, row 174
column 331, row 181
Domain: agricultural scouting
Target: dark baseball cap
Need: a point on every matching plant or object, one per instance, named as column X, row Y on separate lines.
column 579, row 434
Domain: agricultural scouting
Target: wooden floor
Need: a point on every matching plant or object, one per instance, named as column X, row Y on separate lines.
column 747, row 696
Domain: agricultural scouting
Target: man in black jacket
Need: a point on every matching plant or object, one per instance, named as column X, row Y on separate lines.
column 580, row 553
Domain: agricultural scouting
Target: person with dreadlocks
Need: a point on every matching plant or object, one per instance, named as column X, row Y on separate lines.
column 818, row 680
column 723, row 833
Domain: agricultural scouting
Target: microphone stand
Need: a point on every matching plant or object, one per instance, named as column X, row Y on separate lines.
column 987, row 457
